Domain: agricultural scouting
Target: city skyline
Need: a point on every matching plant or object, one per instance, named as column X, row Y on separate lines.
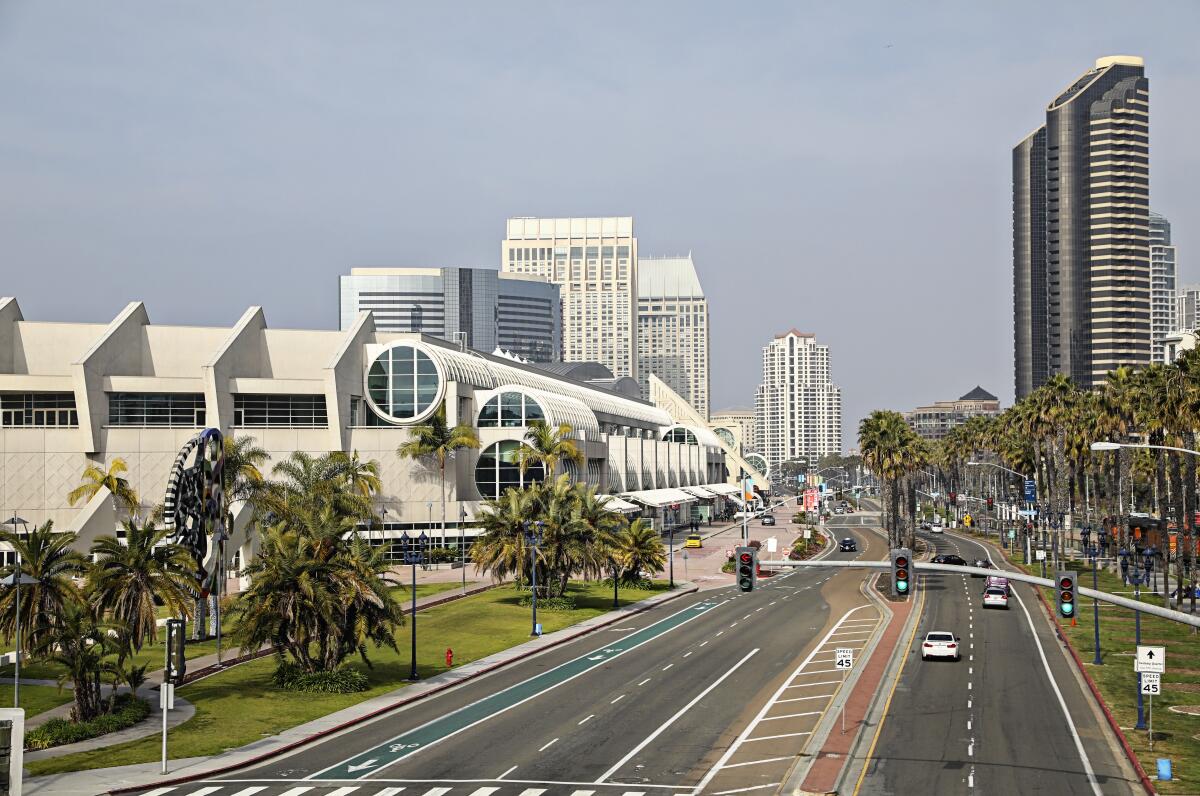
column 222, row 180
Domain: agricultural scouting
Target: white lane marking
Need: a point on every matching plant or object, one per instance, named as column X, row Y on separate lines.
column 747, row 616
column 801, row 699
column 250, row 791
column 971, row 748
column 863, row 632
column 668, row 666
column 756, row 610
column 589, row 718
column 662, row 727
column 490, row 791
column 384, row 792
column 702, row 643
column 205, row 791
column 968, row 704
column 772, row 737
column 772, row 602
column 618, row 699
column 810, row 685
column 971, row 669
column 971, row 780
column 648, row 679
column 689, row 652
column 350, row 789
column 822, row 671
column 793, row 715
column 968, row 724
column 735, row 624
column 758, row 762
column 291, row 792
column 532, row 792
column 161, row 791
column 582, row 793
column 712, row 772
column 743, row 790
column 547, row 746
column 719, row 632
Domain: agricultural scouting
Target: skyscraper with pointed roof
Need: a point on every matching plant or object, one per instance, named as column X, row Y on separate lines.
column 672, row 328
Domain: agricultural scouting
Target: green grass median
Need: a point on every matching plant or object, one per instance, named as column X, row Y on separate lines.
column 241, row 705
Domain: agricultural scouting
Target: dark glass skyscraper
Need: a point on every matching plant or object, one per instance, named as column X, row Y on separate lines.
column 1081, row 255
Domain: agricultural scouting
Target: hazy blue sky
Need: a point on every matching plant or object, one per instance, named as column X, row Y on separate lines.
column 841, row 168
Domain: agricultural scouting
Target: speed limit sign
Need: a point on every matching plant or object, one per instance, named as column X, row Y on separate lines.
column 1151, row 683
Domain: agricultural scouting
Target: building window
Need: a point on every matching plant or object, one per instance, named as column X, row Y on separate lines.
column 279, row 411
column 156, row 409
column 38, row 410
column 403, row 383
column 498, row 470
column 680, row 435
column 510, row 410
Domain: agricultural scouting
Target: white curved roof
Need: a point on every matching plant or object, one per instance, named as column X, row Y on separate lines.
column 473, row 368
column 558, row 408
column 703, row 436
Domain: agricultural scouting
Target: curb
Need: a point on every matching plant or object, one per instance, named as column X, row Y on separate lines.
column 294, row 745
column 1079, row 667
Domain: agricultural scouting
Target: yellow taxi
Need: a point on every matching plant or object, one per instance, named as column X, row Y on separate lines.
column 693, row 540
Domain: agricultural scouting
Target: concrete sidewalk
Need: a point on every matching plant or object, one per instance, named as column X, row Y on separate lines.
column 90, row 783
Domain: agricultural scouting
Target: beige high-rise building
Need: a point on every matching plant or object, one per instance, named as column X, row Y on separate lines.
column 672, row 327
column 798, row 409
column 595, row 262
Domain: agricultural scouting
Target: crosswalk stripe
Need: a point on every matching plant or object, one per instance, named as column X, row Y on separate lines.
column 532, row 792
column 297, row 791
column 634, row 793
column 346, row 791
column 205, row 791
column 583, row 793
column 484, row 791
column 389, row 792
column 159, row 792
column 431, row 792
column 251, row 790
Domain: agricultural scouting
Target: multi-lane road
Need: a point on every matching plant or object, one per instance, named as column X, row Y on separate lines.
column 718, row 690
column 1010, row 717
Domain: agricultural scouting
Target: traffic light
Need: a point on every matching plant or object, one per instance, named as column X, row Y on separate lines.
column 990, row 504
column 901, row 572
column 747, row 567
column 953, row 498
column 1066, row 594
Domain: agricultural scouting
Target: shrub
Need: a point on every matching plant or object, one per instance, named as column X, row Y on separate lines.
column 551, row 603
column 342, row 680
column 727, row 566
column 127, row 711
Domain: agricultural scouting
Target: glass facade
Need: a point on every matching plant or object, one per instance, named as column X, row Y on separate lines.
column 156, row 409
column 38, row 410
column 403, row 383
column 498, row 470
column 279, row 411
column 510, row 410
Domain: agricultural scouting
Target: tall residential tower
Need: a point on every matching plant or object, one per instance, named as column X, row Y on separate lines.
column 1164, row 300
column 672, row 328
column 1081, row 257
column 798, row 409
column 594, row 260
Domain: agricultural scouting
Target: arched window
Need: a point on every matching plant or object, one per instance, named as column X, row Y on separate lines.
column 680, row 435
column 498, row 470
column 510, row 410
column 726, row 436
column 403, row 383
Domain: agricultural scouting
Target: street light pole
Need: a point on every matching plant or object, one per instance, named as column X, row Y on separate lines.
column 533, row 539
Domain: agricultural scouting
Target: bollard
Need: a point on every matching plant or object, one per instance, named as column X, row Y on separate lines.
column 449, row 657
column 1164, row 769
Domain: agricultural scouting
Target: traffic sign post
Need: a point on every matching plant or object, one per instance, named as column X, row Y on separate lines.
column 843, row 661
column 1151, row 686
column 1150, row 665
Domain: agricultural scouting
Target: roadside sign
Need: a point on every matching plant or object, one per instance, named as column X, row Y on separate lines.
column 844, row 658
column 1039, row 555
column 772, row 545
column 1150, row 659
column 1030, row 490
column 1012, row 534
column 1151, row 683
column 808, row 533
column 1027, row 513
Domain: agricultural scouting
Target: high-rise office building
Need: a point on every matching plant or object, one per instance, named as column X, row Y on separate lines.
column 478, row 307
column 798, row 408
column 1081, row 261
column 1164, row 309
column 1187, row 307
column 672, row 328
column 594, row 260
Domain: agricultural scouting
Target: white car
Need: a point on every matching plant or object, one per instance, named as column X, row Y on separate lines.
column 995, row 597
column 936, row 529
column 939, row 644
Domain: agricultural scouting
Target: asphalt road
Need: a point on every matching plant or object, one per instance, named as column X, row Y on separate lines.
column 994, row 722
column 647, row 707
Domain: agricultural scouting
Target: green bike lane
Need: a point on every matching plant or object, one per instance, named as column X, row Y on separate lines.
column 442, row 727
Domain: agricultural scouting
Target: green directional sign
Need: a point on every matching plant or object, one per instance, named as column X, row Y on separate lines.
column 443, row 727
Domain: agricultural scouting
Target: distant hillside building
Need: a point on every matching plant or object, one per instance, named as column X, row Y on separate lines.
column 935, row 421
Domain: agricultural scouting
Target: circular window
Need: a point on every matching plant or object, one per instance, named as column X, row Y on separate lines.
column 726, row 436
column 758, row 462
column 499, row 469
column 403, row 383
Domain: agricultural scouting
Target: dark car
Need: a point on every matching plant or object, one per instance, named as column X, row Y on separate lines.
column 950, row 558
column 768, row 519
column 848, row 545
column 982, row 563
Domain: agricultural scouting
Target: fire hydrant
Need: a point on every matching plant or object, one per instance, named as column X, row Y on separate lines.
column 449, row 657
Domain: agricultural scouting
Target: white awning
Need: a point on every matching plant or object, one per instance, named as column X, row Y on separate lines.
column 699, row 492
column 614, row 503
column 661, row 497
column 723, row 489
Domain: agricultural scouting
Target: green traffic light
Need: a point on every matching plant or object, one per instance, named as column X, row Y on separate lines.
column 1068, row 609
column 901, row 585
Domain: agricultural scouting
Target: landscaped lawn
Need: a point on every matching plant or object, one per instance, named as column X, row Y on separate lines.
column 239, row 706
column 35, row 698
column 1174, row 733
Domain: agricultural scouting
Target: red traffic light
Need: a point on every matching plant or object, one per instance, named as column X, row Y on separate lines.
column 901, row 561
column 1065, row 583
column 746, row 558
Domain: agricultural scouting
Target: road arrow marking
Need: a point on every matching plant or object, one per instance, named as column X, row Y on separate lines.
column 369, row 764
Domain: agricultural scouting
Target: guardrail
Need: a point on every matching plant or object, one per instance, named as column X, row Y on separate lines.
column 1124, row 602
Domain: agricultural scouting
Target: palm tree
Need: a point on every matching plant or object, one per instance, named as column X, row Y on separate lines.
column 436, row 441
column 361, row 476
column 77, row 639
column 244, row 460
column 638, row 548
column 94, row 479
column 50, row 558
column 548, row 446
column 500, row 546
column 305, row 485
column 128, row 579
